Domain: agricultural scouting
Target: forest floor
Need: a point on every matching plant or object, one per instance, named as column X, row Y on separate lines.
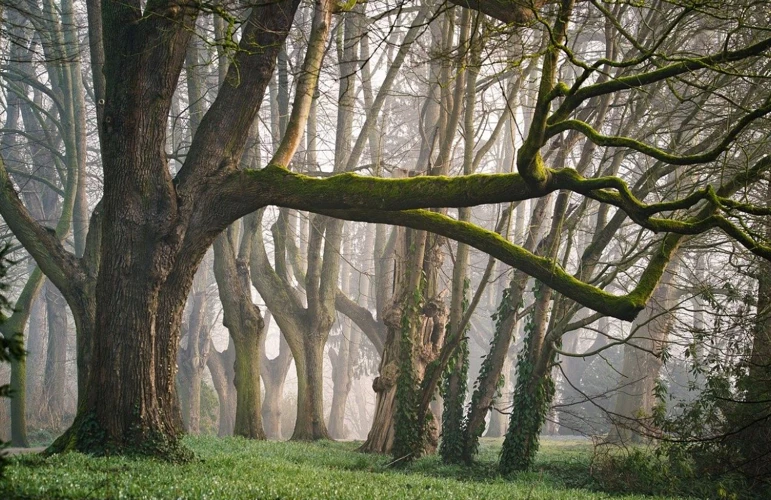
column 237, row 468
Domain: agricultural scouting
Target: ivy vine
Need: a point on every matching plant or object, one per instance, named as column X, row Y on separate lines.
column 532, row 396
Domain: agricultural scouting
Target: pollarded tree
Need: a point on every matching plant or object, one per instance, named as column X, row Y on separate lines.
column 151, row 230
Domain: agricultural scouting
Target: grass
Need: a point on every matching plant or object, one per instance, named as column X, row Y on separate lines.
column 238, row 468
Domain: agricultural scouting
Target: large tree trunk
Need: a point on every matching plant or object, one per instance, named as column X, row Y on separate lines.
column 310, row 425
column 247, row 382
column 381, row 435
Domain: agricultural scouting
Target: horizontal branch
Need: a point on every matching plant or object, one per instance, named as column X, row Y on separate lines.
column 545, row 270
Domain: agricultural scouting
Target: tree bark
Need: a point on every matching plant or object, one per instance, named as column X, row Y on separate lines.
column 244, row 321
column 221, row 367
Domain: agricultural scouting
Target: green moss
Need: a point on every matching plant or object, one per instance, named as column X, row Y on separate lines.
column 87, row 436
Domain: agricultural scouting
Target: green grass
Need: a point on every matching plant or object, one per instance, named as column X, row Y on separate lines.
column 238, row 468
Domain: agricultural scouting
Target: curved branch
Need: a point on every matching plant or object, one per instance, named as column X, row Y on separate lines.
column 627, row 142
column 574, row 99
column 61, row 267
column 373, row 329
column 621, row 307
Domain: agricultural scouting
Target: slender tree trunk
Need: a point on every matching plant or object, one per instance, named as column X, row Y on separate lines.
column 641, row 365
column 36, row 352
column 498, row 411
column 221, row 367
column 343, row 359
column 55, row 376
column 274, row 372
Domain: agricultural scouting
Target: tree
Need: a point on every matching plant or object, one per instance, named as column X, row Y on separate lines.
column 151, row 230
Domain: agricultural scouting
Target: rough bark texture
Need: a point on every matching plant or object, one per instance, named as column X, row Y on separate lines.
column 244, row 321
column 155, row 233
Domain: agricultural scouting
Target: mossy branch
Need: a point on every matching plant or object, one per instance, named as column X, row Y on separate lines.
column 622, row 307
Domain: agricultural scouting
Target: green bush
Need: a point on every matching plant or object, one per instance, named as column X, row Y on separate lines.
column 659, row 472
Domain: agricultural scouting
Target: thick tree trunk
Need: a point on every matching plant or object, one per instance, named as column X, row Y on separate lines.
column 381, row 435
column 154, row 232
column 244, row 321
column 310, row 424
column 247, row 382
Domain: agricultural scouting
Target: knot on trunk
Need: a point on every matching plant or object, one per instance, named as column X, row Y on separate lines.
column 387, row 378
column 392, row 317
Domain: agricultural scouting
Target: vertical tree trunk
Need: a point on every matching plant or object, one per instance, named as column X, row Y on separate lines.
column 755, row 441
column 36, row 352
column 343, row 359
column 641, row 365
column 274, row 372
column 244, row 321
column 53, row 397
column 342, row 374
column 248, row 421
column 310, row 425
column 381, row 435
column 221, row 367
column 498, row 412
